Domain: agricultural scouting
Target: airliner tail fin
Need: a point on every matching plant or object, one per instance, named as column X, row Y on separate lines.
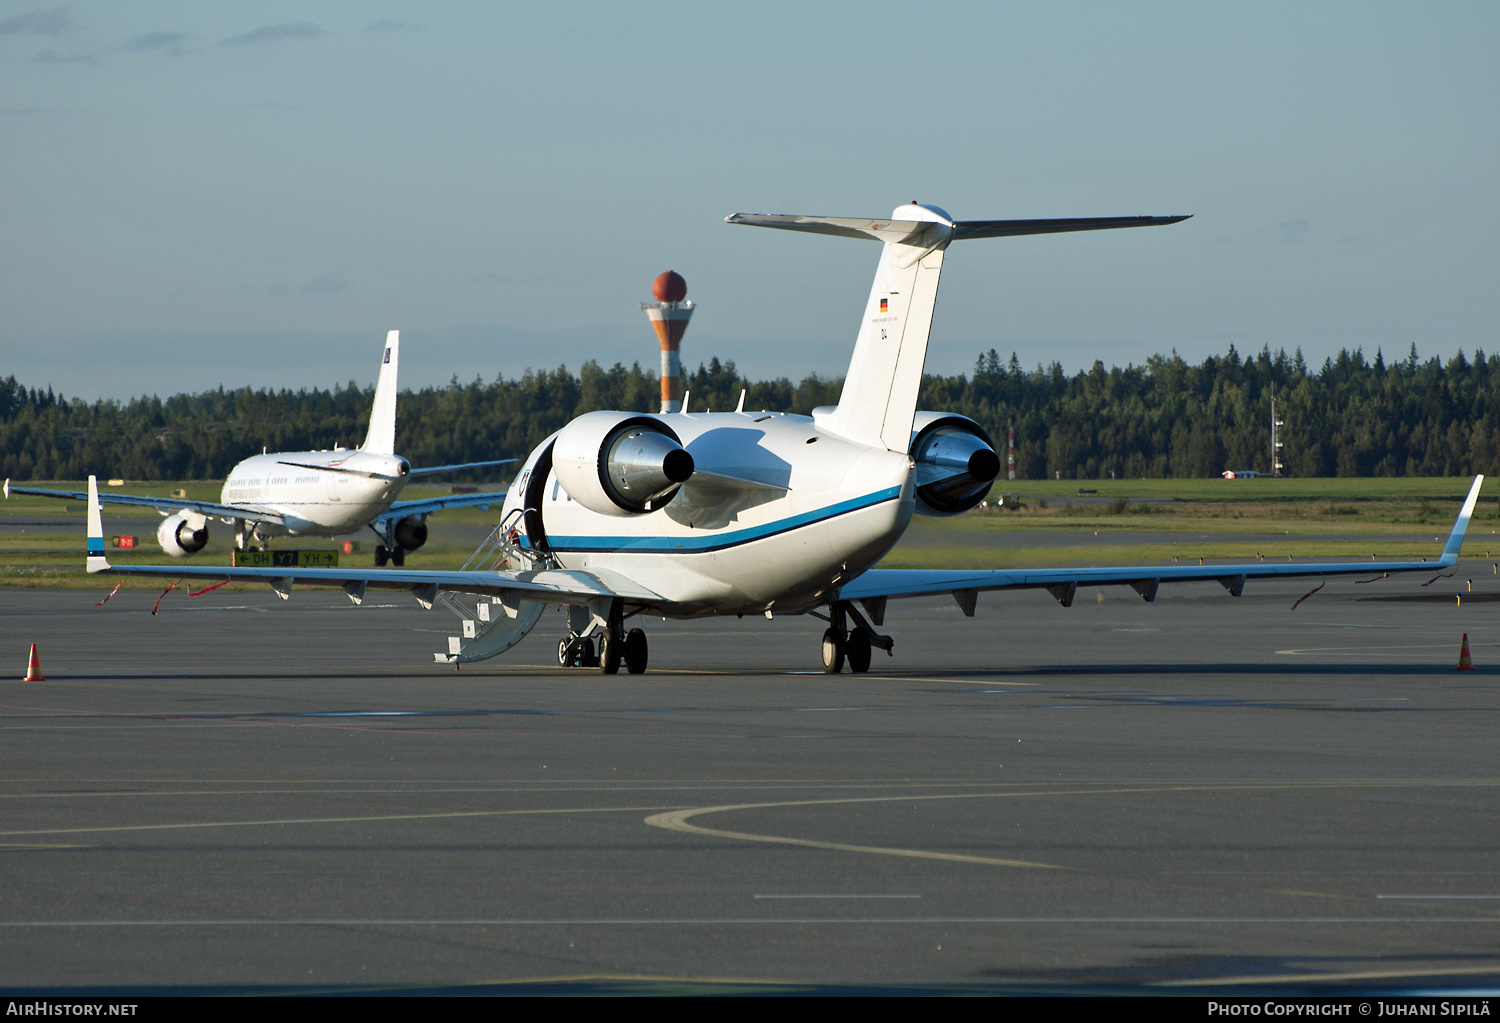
column 879, row 399
column 382, row 436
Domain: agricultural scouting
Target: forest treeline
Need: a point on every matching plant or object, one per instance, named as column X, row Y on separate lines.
column 1350, row 417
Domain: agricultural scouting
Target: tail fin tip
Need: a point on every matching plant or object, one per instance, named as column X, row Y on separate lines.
column 381, row 438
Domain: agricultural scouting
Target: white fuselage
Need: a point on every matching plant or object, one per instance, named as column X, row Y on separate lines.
column 326, row 493
column 715, row 550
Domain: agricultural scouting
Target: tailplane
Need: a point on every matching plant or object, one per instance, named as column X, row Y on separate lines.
column 880, row 390
column 381, row 439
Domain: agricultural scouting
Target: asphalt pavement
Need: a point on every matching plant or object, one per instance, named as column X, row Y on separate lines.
column 1201, row 794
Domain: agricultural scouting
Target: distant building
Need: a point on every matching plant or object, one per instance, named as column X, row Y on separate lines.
column 1241, row 474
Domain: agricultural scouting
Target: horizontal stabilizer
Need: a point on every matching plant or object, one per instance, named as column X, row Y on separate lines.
column 1010, row 228
column 842, row 227
column 338, row 468
column 880, row 391
column 901, row 230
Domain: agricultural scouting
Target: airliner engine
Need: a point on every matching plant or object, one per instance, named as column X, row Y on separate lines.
column 410, row 533
column 616, row 463
column 956, row 463
column 182, row 533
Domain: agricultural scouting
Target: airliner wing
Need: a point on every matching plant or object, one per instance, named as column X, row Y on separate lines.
column 547, row 585
column 1144, row 579
column 166, row 505
column 464, row 465
column 401, row 509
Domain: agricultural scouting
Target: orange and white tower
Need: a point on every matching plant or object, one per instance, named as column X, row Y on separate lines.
column 669, row 316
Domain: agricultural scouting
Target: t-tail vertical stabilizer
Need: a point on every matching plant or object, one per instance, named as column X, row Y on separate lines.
column 879, row 399
column 885, row 373
column 381, row 439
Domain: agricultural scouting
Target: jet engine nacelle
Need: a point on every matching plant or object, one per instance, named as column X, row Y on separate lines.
column 182, row 533
column 618, row 463
column 410, row 533
column 956, row 463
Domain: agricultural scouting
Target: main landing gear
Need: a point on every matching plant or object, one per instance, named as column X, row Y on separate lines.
column 841, row 643
column 396, row 556
column 605, row 648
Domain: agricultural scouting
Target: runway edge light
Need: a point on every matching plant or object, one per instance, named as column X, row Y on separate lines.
column 33, row 667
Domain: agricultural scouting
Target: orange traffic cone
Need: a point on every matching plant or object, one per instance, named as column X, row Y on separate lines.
column 1464, row 662
column 34, row 667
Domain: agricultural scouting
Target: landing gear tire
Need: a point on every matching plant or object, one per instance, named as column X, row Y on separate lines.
column 859, row 650
column 381, row 556
column 833, row 653
column 635, row 651
column 576, row 652
column 398, row 557
column 609, row 652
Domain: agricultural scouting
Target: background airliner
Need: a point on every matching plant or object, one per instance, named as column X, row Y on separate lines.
column 685, row 515
column 312, row 493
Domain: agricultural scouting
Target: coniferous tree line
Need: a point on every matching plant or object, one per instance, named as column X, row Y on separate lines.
column 1350, row 417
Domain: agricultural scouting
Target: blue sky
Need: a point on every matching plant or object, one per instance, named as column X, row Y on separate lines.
column 252, row 193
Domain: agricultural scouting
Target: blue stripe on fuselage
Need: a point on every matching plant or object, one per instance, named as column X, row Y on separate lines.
column 714, row 541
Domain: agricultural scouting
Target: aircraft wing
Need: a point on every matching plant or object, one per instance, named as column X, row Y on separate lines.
column 165, row 505
column 464, row 465
column 401, row 509
column 1144, row 579
column 547, row 585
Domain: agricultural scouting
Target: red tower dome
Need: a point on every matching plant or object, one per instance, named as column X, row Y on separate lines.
column 669, row 287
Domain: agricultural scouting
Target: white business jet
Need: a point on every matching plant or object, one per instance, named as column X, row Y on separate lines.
column 312, row 493
column 692, row 514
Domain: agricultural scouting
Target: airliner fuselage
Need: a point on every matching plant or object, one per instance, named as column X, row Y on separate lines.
column 778, row 514
column 317, row 493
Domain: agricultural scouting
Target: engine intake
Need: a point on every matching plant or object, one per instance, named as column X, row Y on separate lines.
column 182, row 533
column 410, row 533
column 616, row 463
column 956, row 463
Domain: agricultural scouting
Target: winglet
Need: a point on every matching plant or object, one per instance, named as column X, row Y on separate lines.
column 1461, row 526
column 97, row 562
column 7, row 489
column 381, row 438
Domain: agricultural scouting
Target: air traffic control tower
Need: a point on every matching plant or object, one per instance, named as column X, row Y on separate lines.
column 669, row 316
